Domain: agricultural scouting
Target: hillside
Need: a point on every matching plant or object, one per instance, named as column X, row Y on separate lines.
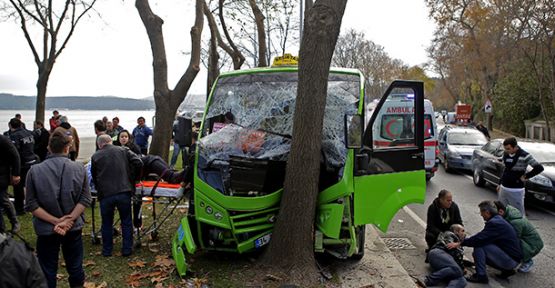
column 16, row 102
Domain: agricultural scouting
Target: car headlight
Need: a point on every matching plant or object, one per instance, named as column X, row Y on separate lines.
column 453, row 154
column 541, row 180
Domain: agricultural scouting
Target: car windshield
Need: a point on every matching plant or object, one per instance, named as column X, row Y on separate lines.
column 265, row 102
column 467, row 138
column 542, row 152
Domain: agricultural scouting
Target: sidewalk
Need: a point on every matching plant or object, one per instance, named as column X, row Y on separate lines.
column 378, row 268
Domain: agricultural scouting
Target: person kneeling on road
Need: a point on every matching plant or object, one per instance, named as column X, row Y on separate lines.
column 496, row 245
column 447, row 264
column 442, row 213
column 530, row 239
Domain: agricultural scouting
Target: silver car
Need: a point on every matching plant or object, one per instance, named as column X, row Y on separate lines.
column 456, row 145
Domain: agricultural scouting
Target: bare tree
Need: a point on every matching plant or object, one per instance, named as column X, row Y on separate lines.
column 58, row 22
column 261, row 32
column 168, row 100
column 236, row 55
column 294, row 229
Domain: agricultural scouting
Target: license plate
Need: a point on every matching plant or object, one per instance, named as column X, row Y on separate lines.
column 180, row 233
column 262, row 241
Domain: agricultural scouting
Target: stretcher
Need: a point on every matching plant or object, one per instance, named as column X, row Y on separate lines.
column 170, row 196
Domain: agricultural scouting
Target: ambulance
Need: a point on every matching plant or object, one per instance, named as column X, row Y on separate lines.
column 397, row 128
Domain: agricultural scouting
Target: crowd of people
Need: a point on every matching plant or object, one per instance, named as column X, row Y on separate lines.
column 508, row 242
column 48, row 183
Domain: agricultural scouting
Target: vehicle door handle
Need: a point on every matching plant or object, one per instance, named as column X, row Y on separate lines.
column 417, row 155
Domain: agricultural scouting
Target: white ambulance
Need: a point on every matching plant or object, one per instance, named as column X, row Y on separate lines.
column 397, row 125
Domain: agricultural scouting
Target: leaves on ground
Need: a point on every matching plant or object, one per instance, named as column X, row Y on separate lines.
column 163, row 261
column 88, row 263
column 137, row 264
column 94, row 285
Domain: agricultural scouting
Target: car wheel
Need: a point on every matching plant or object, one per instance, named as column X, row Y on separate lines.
column 478, row 178
column 446, row 165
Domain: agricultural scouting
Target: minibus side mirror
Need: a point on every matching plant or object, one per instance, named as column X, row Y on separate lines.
column 353, row 131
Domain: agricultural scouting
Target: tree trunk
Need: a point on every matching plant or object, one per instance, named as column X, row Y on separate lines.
column 163, row 129
column 292, row 245
column 167, row 101
column 259, row 21
column 236, row 56
column 213, row 67
column 42, row 84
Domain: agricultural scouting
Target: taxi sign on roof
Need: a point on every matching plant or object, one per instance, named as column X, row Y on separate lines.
column 286, row 60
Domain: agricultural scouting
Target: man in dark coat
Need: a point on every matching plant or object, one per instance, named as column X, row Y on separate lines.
column 41, row 140
column 20, row 267
column 24, row 142
column 496, row 245
column 10, row 167
column 442, row 213
column 113, row 168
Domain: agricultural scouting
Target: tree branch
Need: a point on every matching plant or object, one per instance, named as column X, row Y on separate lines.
column 237, row 57
column 26, row 32
column 186, row 80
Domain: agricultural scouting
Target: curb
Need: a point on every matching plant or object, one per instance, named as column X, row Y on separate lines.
column 378, row 268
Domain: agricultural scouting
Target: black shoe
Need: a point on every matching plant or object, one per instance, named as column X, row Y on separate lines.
column 475, row 278
column 506, row 274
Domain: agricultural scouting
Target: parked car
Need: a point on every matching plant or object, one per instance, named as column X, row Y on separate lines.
column 456, row 145
column 488, row 167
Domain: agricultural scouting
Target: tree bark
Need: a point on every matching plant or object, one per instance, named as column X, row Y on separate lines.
column 259, row 21
column 167, row 101
column 213, row 56
column 292, row 245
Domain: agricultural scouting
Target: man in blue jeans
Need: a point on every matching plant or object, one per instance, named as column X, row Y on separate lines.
column 57, row 194
column 113, row 169
column 496, row 245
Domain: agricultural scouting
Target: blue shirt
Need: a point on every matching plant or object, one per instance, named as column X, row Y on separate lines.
column 141, row 135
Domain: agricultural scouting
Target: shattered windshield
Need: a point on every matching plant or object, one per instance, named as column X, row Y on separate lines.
column 251, row 116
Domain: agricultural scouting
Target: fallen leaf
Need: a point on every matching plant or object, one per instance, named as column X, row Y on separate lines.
column 88, row 263
column 102, row 285
column 137, row 264
column 97, row 253
column 158, row 279
column 159, row 285
column 96, row 273
column 163, row 261
column 60, row 276
column 200, row 282
column 89, row 285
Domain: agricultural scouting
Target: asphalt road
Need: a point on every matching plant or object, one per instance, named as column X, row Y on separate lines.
column 410, row 223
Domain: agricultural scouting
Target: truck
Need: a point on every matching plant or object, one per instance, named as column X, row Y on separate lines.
column 463, row 113
column 242, row 151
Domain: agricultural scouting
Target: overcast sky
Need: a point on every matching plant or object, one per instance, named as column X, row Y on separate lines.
column 112, row 56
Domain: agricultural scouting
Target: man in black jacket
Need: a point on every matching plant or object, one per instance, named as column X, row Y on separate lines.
column 10, row 167
column 511, row 186
column 41, row 140
column 113, row 169
column 24, row 142
column 20, row 267
column 442, row 213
